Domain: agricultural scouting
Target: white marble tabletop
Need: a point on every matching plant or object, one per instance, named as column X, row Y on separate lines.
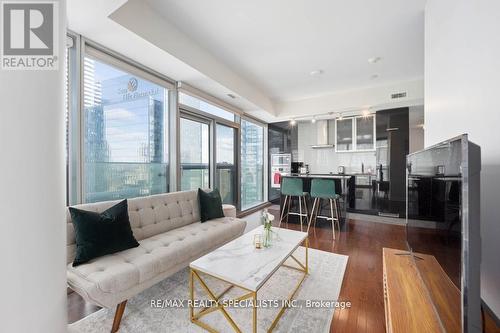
column 240, row 263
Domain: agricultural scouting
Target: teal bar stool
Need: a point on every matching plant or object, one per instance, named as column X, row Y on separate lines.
column 293, row 187
column 324, row 189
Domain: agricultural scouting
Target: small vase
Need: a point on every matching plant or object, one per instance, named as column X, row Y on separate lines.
column 268, row 236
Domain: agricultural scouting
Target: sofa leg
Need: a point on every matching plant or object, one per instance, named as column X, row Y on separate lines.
column 120, row 308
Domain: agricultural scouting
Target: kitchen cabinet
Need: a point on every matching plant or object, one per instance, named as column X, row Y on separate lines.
column 344, row 129
column 355, row 134
column 365, row 133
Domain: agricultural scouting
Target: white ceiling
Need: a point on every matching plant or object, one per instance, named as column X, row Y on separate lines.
column 263, row 51
column 91, row 19
column 276, row 44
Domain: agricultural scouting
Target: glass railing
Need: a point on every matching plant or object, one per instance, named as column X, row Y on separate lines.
column 113, row 181
column 252, row 189
column 226, row 182
column 194, row 176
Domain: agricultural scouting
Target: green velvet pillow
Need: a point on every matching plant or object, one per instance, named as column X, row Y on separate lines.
column 210, row 205
column 100, row 234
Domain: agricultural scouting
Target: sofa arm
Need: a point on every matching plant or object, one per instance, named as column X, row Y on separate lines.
column 229, row 210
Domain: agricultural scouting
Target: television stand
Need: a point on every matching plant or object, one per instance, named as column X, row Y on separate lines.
column 408, row 303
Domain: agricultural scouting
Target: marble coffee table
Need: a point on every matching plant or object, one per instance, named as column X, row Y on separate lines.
column 243, row 266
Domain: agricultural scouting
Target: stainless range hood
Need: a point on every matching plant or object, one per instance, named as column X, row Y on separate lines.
column 322, row 134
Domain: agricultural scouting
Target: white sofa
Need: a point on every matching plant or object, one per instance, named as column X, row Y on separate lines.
column 170, row 234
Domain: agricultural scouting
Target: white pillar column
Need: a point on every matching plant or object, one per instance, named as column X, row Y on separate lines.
column 32, row 197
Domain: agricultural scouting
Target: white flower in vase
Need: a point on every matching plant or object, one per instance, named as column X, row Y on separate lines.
column 267, row 219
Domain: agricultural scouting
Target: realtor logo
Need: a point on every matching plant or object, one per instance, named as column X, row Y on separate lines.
column 29, row 35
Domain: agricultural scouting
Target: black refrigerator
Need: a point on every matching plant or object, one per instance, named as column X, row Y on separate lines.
column 392, row 146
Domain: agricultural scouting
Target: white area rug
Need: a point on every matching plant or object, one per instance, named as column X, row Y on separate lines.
column 323, row 283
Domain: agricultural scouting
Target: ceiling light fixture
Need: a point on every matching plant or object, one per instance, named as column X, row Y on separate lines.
column 374, row 60
column 313, row 120
column 340, row 117
column 365, row 113
column 293, row 122
column 316, row 72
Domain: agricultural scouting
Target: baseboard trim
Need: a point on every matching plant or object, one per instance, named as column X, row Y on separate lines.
column 376, row 219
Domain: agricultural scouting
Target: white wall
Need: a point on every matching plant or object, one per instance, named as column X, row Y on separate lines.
column 462, row 69
column 32, row 214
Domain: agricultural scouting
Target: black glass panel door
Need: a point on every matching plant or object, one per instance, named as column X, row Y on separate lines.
column 392, row 146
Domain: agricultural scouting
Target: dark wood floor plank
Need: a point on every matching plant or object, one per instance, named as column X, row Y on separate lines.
column 362, row 285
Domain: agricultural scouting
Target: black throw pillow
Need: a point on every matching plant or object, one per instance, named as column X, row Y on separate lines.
column 100, row 234
column 210, row 205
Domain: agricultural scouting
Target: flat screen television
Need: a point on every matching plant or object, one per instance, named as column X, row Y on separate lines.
column 442, row 209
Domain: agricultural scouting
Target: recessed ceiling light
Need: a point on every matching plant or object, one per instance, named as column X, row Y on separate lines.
column 374, row 60
column 317, row 72
column 374, row 76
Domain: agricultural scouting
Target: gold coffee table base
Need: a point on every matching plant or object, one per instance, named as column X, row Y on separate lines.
column 195, row 317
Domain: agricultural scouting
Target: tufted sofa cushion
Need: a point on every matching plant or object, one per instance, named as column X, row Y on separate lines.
column 111, row 279
column 149, row 216
column 229, row 210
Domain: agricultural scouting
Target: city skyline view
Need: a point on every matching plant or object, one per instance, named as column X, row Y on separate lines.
column 126, row 141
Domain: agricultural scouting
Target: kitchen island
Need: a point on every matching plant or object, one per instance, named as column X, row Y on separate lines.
column 344, row 186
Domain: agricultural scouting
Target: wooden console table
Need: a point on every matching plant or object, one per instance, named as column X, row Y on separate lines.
column 408, row 305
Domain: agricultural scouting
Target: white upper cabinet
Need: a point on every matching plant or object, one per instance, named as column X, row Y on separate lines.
column 344, row 134
column 355, row 134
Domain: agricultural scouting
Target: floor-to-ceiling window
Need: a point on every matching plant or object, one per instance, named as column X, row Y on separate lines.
column 215, row 163
column 252, row 164
column 225, row 172
column 125, row 133
column 204, row 106
column 194, row 153
column 119, row 129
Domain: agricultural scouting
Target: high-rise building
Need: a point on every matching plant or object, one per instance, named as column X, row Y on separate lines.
column 125, row 134
column 252, row 163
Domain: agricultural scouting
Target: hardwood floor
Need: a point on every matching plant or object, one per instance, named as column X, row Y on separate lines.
column 362, row 285
column 489, row 324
